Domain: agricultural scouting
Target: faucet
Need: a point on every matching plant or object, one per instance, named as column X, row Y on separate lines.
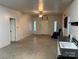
column 70, row 38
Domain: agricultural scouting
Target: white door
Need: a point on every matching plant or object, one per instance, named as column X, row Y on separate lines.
column 12, row 29
column 44, row 29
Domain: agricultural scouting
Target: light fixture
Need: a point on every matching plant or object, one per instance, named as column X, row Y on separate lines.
column 40, row 15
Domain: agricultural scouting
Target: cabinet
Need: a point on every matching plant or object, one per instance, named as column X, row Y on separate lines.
column 74, row 23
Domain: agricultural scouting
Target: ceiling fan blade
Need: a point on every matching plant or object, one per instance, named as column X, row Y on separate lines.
column 36, row 12
column 41, row 12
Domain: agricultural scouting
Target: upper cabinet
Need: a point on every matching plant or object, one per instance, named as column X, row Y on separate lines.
column 74, row 23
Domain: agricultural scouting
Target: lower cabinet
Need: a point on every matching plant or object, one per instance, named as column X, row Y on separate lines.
column 64, row 57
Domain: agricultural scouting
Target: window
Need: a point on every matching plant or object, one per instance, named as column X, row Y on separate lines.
column 55, row 26
column 34, row 25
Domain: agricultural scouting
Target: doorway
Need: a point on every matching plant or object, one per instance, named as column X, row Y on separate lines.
column 12, row 29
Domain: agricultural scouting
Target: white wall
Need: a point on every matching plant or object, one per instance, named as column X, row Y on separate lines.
column 22, row 25
column 72, row 12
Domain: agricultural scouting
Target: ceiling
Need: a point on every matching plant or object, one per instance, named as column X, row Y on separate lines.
column 27, row 6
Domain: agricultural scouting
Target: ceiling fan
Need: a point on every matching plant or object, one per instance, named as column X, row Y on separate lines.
column 40, row 10
column 42, row 13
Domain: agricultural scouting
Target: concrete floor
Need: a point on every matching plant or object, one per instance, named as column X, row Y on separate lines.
column 32, row 47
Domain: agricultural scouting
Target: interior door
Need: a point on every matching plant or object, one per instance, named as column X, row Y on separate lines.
column 12, row 29
column 44, row 29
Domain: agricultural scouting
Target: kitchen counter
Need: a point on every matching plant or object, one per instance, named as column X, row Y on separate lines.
column 67, row 45
column 67, row 52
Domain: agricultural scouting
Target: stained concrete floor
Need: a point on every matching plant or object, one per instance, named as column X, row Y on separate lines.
column 32, row 47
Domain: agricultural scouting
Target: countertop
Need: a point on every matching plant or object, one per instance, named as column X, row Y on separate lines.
column 66, row 52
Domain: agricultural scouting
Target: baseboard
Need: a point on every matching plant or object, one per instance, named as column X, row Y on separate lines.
column 42, row 34
column 5, row 45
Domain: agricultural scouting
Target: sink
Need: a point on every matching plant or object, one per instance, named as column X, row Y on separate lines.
column 67, row 45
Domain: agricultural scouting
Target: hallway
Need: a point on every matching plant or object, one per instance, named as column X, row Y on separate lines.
column 32, row 47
